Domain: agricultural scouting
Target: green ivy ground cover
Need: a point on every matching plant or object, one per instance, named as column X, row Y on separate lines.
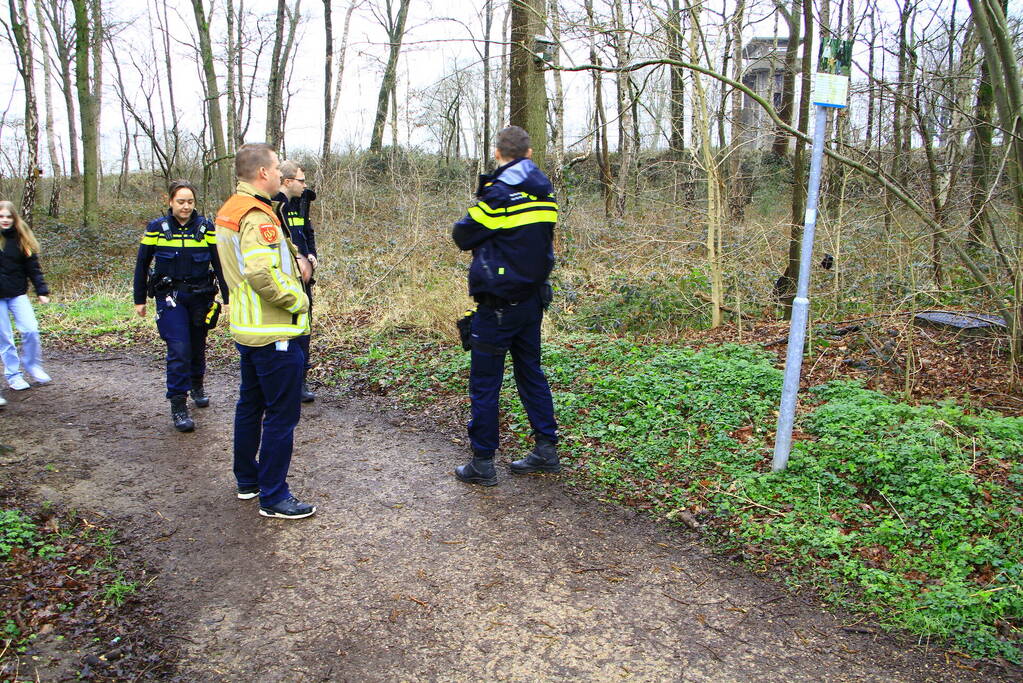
column 911, row 513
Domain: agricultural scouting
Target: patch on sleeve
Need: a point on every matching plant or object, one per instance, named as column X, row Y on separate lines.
column 269, row 233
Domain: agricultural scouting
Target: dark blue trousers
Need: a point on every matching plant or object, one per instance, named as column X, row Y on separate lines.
column 269, row 406
column 512, row 328
column 186, row 343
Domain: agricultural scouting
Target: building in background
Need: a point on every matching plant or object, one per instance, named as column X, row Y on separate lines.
column 764, row 71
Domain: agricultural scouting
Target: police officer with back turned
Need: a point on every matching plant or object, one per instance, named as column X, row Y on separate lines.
column 510, row 232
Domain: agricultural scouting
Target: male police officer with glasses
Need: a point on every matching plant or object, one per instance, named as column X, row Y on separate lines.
column 295, row 197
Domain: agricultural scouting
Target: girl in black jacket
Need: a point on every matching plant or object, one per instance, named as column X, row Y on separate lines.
column 19, row 263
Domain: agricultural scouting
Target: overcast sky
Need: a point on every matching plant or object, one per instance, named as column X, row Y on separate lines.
column 439, row 40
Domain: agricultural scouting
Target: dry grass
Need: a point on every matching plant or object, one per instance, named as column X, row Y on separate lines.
column 388, row 262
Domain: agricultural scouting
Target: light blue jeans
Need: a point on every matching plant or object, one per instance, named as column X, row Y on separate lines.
column 25, row 321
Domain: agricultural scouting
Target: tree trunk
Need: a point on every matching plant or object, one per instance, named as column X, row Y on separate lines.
column 677, row 140
column 232, row 94
column 980, row 182
column 26, row 67
column 488, row 22
column 221, row 170
column 558, row 151
column 780, row 147
column 799, row 166
column 702, row 124
column 1003, row 68
column 51, row 138
column 527, row 92
column 88, row 104
column 98, row 38
column 395, row 33
column 626, row 142
column 274, row 97
column 599, row 117
column 63, row 34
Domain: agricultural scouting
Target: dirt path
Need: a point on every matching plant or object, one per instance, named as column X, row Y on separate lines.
column 405, row 574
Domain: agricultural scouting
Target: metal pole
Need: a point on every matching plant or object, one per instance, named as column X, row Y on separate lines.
column 801, row 304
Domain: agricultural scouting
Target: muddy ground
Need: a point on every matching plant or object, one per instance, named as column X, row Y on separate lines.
column 405, row 574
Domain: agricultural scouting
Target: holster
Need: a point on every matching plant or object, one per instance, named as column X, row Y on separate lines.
column 207, row 317
column 464, row 324
column 159, row 286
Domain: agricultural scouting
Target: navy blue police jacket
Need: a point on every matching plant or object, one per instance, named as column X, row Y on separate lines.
column 184, row 253
column 295, row 215
column 510, row 231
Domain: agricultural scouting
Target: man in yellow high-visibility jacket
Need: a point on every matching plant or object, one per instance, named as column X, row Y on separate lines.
column 269, row 309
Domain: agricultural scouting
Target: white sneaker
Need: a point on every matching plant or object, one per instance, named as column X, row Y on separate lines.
column 18, row 383
column 39, row 375
column 3, row 401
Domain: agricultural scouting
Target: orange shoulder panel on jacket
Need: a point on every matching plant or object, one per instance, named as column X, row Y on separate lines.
column 237, row 205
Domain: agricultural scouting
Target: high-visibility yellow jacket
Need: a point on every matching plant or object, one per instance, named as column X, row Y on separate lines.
column 267, row 300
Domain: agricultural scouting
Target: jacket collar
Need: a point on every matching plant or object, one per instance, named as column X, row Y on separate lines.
column 188, row 224
column 250, row 190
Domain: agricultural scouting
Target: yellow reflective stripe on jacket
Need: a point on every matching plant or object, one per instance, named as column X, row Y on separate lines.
column 514, row 216
column 158, row 240
column 284, row 284
column 252, row 253
column 295, row 330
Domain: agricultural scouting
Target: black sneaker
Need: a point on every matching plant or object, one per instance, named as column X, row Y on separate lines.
column 248, row 492
column 307, row 396
column 289, row 508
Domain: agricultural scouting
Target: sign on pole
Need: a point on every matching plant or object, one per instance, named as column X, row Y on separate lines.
column 831, row 91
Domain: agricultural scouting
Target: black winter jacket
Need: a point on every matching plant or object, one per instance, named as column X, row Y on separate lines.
column 510, row 231
column 16, row 269
column 295, row 214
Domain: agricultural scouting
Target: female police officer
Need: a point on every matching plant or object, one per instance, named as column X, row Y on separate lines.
column 184, row 247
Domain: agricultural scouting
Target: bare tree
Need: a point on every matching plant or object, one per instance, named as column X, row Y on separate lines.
column 87, row 34
column 527, row 93
column 673, row 29
column 221, row 171
column 331, row 99
column 56, row 168
column 793, row 16
column 62, row 34
column 287, row 17
column 20, row 36
column 393, row 22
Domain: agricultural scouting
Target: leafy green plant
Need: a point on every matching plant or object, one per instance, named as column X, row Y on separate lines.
column 18, row 531
column 118, row 590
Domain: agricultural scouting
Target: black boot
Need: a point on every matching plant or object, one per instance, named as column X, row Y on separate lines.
column 479, row 470
column 179, row 413
column 544, row 458
column 199, row 393
column 307, row 396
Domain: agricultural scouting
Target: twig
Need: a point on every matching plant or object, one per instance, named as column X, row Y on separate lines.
column 751, row 502
column 726, row 309
column 892, row 507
